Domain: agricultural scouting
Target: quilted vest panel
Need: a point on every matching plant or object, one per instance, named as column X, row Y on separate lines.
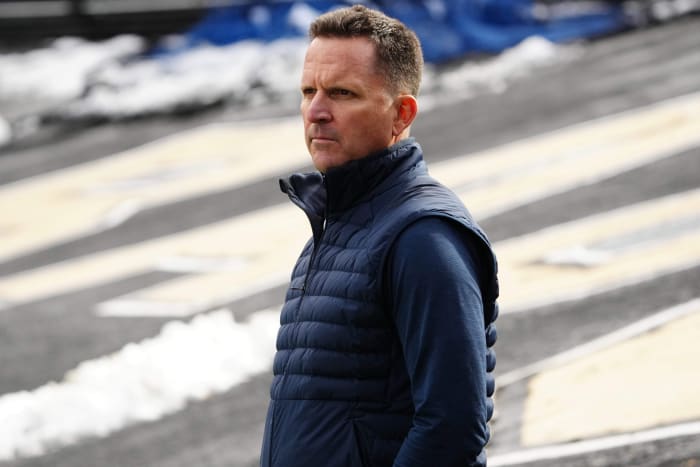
column 336, row 339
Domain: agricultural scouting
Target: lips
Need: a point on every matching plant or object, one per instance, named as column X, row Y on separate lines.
column 321, row 135
column 322, row 139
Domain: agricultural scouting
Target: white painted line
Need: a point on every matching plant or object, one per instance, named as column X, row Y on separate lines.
column 634, row 385
column 118, row 214
column 577, row 256
column 594, row 445
column 158, row 376
column 144, row 305
column 588, row 290
column 530, row 169
column 528, row 282
column 67, row 204
column 256, row 236
column 200, row 264
column 135, row 308
column 613, row 247
column 608, row 340
column 72, row 202
column 267, row 250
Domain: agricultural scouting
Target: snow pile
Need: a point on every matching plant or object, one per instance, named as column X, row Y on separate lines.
column 102, row 84
column 496, row 74
column 142, row 382
column 113, row 80
column 63, row 70
column 245, row 72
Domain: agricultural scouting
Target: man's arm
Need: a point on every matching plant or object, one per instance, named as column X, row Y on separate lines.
column 432, row 280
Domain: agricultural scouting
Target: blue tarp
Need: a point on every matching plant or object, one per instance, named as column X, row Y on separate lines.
column 447, row 29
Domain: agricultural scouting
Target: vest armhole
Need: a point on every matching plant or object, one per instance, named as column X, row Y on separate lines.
column 478, row 246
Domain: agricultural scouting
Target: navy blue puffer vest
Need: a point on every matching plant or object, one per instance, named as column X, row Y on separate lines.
column 338, row 359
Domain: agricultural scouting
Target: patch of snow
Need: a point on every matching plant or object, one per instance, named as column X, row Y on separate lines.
column 114, row 80
column 5, row 132
column 196, row 78
column 579, row 256
column 62, row 70
column 142, row 382
column 496, row 74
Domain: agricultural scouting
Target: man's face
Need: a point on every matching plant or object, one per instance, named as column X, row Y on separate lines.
column 348, row 112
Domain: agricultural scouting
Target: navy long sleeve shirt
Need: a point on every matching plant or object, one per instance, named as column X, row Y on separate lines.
column 433, row 283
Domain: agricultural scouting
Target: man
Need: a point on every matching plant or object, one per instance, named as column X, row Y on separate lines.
column 383, row 351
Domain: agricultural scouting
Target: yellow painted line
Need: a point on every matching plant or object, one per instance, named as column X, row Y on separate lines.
column 645, row 382
column 193, row 294
column 528, row 280
column 603, row 342
column 266, row 242
column 502, row 178
column 499, row 178
column 43, row 210
column 286, row 221
column 271, row 237
column 70, row 203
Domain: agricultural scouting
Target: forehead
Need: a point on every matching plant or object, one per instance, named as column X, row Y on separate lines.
column 340, row 57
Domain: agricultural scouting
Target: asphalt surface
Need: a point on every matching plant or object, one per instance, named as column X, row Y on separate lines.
column 43, row 338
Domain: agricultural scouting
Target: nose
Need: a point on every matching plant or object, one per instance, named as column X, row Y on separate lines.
column 318, row 109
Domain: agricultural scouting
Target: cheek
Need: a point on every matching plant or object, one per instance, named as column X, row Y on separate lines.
column 374, row 128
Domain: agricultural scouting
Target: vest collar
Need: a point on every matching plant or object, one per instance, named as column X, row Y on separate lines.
column 322, row 195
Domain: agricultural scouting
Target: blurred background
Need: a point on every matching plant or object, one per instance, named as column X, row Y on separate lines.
column 145, row 247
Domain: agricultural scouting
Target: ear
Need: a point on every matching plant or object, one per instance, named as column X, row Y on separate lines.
column 406, row 111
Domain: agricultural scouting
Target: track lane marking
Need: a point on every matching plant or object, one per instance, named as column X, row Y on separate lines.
column 635, row 329
column 251, row 237
column 534, row 271
column 268, row 251
column 524, row 171
column 561, row 451
column 45, row 210
column 218, row 240
column 604, row 392
column 48, row 209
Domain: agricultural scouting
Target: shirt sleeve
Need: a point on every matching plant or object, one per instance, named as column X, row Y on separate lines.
column 433, row 284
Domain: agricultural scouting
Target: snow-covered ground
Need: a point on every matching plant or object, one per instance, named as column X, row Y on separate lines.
column 113, row 79
column 142, row 382
column 72, row 78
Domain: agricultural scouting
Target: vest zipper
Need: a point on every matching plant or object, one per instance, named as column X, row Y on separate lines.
column 317, row 244
column 312, row 258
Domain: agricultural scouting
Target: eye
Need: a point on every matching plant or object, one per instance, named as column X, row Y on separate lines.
column 308, row 91
column 340, row 92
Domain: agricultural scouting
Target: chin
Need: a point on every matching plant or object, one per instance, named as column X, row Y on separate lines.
column 324, row 162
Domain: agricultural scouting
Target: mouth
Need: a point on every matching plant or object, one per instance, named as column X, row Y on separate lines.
column 321, row 139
